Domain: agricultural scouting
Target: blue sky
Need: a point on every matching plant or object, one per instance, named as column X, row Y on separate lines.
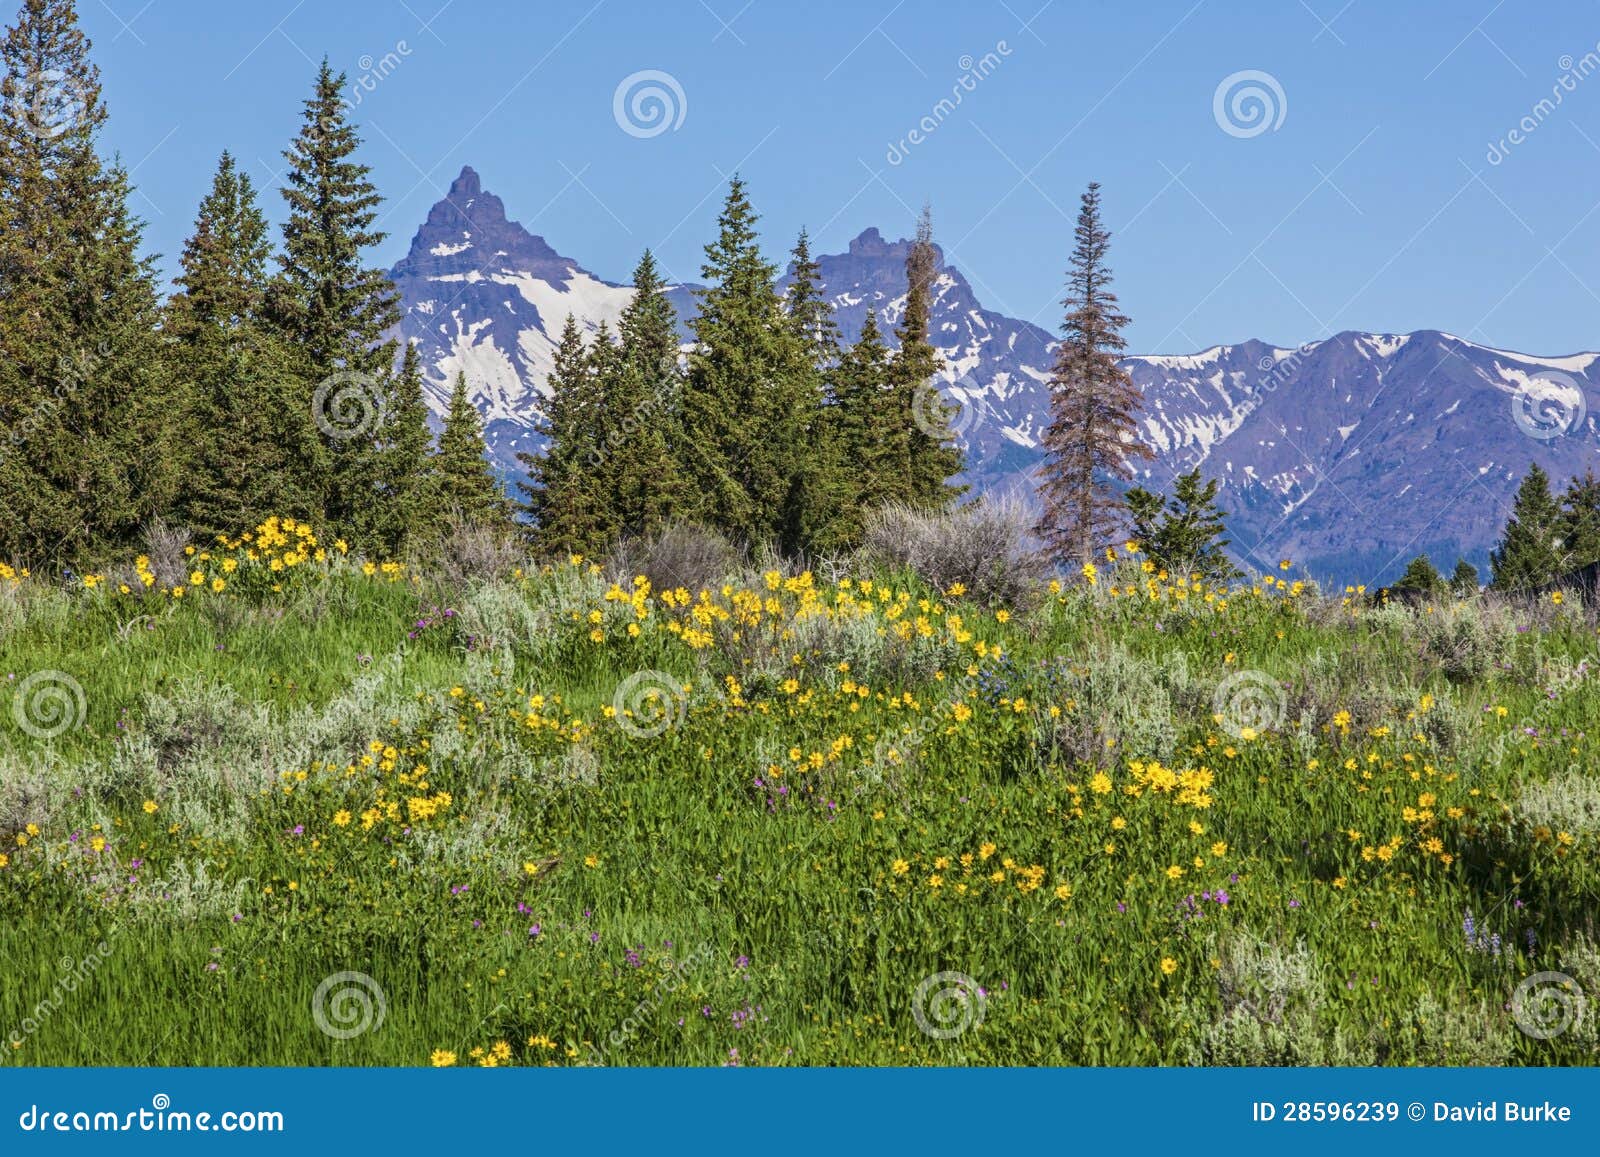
column 1371, row 203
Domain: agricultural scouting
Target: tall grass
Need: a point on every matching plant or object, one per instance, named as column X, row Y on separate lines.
column 560, row 815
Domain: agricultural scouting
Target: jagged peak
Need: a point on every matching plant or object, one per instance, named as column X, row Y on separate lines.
column 466, row 184
column 869, row 243
column 469, row 225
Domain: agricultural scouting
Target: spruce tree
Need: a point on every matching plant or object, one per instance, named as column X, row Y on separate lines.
column 810, row 313
column 406, row 476
column 561, row 501
column 1464, row 579
column 817, row 519
column 1580, row 521
column 867, row 430
column 91, row 420
column 931, row 456
column 634, row 460
column 1420, row 576
column 254, row 449
column 462, row 484
column 1183, row 534
column 334, row 307
column 1093, row 431
column 744, row 399
column 1530, row 553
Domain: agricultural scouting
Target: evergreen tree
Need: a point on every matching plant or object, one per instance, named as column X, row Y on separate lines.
column 634, row 459
column 406, row 475
column 931, row 455
column 1464, row 579
column 1420, row 576
column 253, row 450
column 561, row 499
column 1183, row 534
column 744, row 399
column 818, row 517
column 1580, row 521
column 810, row 313
column 1530, row 553
column 90, row 420
column 1093, row 430
column 462, row 484
column 223, row 279
column 870, row 436
column 334, row 307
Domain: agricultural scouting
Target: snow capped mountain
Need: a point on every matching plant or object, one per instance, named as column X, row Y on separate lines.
column 1349, row 455
column 483, row 296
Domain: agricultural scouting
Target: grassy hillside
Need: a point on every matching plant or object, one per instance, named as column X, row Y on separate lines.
column 268, row 804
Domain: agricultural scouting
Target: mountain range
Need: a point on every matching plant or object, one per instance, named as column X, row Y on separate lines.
column 1349, row 455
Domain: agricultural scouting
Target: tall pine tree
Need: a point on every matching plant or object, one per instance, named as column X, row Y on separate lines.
column 810, row 313
column 744, row 399
column 462, row 484
column 932, row 457
column 1530, row 552
column 1093, row 430
column 818, row 518
column 335, row 308
column 868, row 431
column 254, row 450
column 634, row 460
column 1580, row 521
column 89, row 419
column 561, row 498
column 405, row 468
